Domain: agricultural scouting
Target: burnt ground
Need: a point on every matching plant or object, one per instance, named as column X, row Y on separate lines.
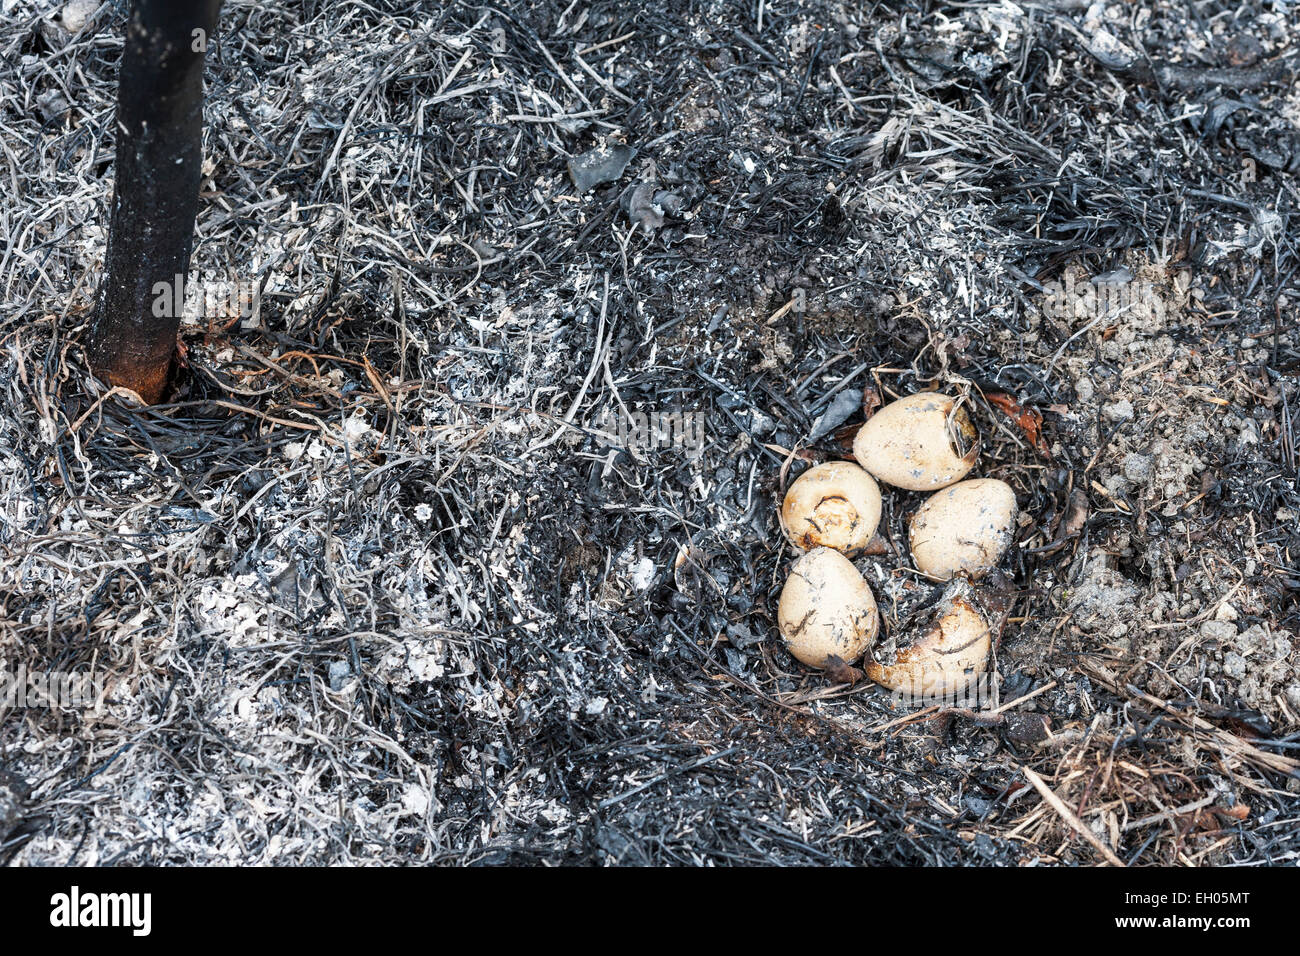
column 376, row 585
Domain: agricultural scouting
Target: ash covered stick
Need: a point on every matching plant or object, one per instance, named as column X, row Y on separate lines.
column 155, row 196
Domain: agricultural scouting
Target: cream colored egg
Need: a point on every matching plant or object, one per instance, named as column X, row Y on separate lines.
column 943, row 654
column 922, row 442
column 833, row 505
column 966, row 527
column 826, row 609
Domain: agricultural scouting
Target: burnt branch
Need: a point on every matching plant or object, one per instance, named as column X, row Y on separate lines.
column 155, row 197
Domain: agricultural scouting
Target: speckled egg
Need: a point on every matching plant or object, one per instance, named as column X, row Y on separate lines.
column 922, row 442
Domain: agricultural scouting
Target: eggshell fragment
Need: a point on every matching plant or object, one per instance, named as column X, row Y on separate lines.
column 833, row 505
column 826, row 609
column 965, row 528
column 942, row 655
column 922, row 442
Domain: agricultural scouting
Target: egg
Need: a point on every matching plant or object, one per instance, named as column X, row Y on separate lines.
column 833, row 505
column 965, row 528
column 943, row 654
column 922, row 442
column 826, row 608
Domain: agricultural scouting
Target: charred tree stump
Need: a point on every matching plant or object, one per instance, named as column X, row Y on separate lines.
column 156, row 192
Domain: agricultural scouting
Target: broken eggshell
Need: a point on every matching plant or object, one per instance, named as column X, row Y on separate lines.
column 921, row 442
column 833, row 505
column 827, row 609
column 965, row 528
column 941, row 653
